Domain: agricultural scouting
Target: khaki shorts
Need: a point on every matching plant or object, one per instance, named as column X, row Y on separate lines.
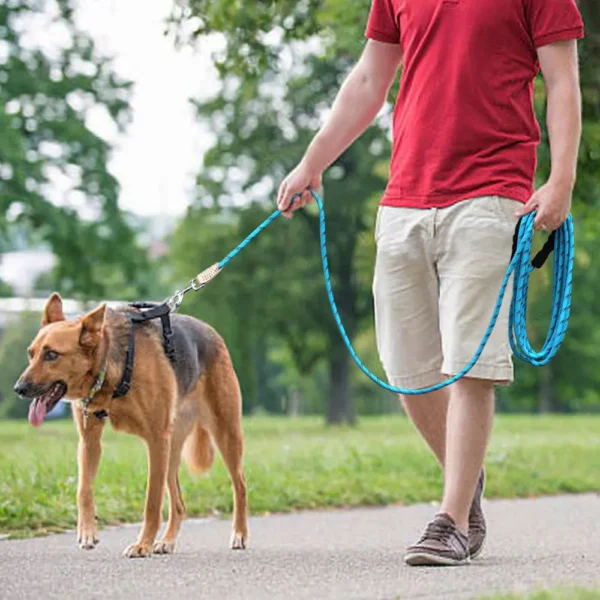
column 437, row 277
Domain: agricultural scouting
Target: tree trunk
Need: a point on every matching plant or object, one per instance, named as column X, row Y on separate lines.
column 293, row 402
column 546, row 393
column 341, row 408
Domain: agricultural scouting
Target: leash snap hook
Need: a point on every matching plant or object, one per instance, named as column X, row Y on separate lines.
column 174, row 302
column 195, row 285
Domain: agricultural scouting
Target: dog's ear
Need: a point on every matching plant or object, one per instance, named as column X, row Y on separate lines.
column 91, row 326
column 53, row 311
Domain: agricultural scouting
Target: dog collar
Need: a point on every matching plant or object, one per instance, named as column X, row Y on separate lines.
column 84, row 403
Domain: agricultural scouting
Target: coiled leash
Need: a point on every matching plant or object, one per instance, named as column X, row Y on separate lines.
column 561, row 241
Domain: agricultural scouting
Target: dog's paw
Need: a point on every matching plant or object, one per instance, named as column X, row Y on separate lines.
column 238, row 541
column 163, row 547
column 137, row 551
column 87, row 540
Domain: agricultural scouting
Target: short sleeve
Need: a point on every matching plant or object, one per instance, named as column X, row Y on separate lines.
column 382, row 25
column 553, row 21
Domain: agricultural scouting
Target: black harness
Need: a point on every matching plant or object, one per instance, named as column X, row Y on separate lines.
column 147, row 312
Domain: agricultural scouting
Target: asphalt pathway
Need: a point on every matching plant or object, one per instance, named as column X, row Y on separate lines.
column 350, row 554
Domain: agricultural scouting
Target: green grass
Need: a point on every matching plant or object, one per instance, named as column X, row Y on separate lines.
column 556, row 594
column 297, row 464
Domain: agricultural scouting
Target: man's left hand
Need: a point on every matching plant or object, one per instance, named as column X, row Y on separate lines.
column 552, row 203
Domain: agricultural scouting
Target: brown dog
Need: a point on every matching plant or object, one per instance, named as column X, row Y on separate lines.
column 176, row 408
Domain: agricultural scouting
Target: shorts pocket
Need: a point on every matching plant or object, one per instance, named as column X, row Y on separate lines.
column 505, row 208
column 378, row 222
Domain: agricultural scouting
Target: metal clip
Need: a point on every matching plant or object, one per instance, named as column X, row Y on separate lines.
column 174, row 302
column 195, row 285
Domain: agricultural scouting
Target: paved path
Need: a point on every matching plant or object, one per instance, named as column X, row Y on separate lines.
column 353, row 554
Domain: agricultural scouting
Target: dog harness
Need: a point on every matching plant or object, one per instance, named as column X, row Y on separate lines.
column 147, row 312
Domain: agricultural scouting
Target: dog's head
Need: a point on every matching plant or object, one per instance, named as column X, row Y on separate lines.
column 62, row 359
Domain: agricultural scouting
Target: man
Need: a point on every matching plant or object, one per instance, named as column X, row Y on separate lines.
column 462, row 172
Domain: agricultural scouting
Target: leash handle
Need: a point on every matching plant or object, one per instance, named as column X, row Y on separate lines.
column 542, row 256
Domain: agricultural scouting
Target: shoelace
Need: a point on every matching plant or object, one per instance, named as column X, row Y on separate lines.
column 438, row 530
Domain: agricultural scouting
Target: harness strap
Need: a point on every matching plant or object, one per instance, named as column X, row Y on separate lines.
column 154, row 311
column 125, row 385
column 148, row 312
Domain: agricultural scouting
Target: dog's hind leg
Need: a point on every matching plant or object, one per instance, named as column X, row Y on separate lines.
column 226, row 430
column 166, row 545
column 88, row 458
column 158, row 459
column 230, row 444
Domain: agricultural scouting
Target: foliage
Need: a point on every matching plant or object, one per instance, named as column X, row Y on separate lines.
column 6, row 290
column 278, row 278
column 281, row 65
column 16, row 338
column 46, row 97
column 290, row 464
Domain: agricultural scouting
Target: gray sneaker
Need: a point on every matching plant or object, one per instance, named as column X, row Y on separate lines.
column 477, row 527
column 442, row 544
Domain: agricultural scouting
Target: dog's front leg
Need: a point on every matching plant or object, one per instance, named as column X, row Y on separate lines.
column 158, row 457
column 88, row 458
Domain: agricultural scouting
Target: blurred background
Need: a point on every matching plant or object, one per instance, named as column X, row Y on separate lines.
column 141, row 141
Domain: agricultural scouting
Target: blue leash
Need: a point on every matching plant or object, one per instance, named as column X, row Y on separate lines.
column 561, row 241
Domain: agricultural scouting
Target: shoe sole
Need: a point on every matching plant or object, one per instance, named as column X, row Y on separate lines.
column 478, row 553
column 426, row 559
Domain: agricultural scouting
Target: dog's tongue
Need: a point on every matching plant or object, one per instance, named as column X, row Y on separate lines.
column 37, row 412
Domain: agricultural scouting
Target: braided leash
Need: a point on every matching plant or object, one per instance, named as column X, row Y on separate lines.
column 561, row 242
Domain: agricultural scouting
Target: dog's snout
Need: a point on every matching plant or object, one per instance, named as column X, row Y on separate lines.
column 23, row 388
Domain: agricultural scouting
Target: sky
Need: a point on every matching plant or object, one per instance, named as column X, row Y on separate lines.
column 156, row 159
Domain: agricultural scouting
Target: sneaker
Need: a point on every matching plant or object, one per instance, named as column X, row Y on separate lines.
column 441, row 544
column 477, row 527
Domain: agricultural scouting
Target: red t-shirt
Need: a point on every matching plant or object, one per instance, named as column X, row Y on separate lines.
column 464, row 123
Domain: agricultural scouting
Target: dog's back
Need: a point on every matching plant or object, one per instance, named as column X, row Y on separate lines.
column 196, row 345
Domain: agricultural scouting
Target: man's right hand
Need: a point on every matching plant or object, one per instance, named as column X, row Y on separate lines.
column 299, row 181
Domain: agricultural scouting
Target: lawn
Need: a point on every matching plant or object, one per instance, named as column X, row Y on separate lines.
column 558, row 594
column 290, row 465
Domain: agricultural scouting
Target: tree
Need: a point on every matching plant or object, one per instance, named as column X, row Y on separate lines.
column 262, row 40
column 13, row 357
column 45, row 98
column 281, row 270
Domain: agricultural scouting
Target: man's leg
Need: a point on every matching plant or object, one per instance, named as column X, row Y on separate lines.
column 470, row 416
column 474, row 241
column 429, row 414
column 405, row 289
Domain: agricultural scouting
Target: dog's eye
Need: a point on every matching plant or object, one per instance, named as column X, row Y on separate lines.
column 50, row 355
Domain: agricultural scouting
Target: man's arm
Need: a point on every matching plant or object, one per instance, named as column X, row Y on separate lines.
column 358, row 102
column 559, row 65
column 561, row 75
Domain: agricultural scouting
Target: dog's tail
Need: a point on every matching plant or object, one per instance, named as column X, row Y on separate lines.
column 198, row 450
